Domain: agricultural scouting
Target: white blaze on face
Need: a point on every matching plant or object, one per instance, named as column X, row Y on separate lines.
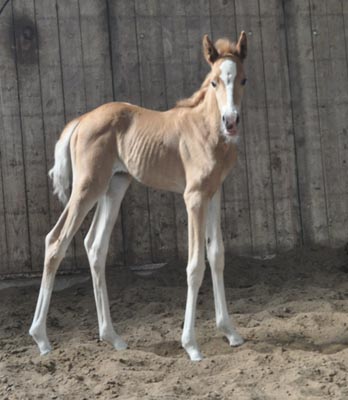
column 228, row 74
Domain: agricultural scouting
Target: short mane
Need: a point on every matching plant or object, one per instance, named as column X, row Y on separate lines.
column 225, row 48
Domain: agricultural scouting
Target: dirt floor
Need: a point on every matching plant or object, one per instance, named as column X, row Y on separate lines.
column 292, row 311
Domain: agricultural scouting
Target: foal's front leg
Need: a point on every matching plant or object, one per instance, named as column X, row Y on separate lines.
column 196, row 206
column 216, row 257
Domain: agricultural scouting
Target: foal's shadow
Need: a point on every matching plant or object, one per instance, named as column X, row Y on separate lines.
column 296, row 342
column 168, row 348
column 218, row 346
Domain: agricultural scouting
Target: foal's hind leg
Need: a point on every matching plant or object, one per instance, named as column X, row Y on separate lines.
column 57, row 242
column 215, row 253
column 97, row 244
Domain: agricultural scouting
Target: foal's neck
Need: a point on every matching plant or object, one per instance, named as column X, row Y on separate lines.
column 210, row 112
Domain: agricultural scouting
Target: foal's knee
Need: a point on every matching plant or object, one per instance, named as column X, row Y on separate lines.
column 195, row 273
column 95, row 257
column 216, row 255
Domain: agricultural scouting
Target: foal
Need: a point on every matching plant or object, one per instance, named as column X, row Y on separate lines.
column 189, row 149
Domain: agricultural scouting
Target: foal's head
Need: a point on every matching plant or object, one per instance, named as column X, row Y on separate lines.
column 227, row 80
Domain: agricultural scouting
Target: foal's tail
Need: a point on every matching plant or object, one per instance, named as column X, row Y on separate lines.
column 61, row 171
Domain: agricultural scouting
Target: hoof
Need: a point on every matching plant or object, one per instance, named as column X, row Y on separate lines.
column 116, row 341
column 235, row 340
column 120, row 345
column 41, row 341
column 194, row 353
column 45, row 350
column 196, row 356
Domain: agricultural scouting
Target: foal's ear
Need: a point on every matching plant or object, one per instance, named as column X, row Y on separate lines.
column 242, row 46
column 210, row 52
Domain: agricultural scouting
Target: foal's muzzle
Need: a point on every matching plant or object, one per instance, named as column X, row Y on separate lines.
column 230, row 123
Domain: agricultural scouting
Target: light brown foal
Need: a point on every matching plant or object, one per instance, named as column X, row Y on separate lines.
column 189, row 149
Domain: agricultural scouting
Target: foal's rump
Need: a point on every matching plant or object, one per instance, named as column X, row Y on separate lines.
column 87, row 150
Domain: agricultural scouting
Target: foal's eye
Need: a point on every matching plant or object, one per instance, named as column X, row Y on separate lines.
column 243, row 82
column 213, row 83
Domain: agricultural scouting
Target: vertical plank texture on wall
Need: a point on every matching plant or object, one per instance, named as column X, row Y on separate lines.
column 174, row 37
column 153, row 88
column 73, row 85
column 306, row 122
column 98, row 87
column 126, row 81
column 3, row 4
column 341, row 109
column 332, row 92
column 52, row 101
column 198, row 24
column 34, row 148
column 281, row 135
column 12, row 164
column 255, row 125
column 4, row 265
column 236, row 227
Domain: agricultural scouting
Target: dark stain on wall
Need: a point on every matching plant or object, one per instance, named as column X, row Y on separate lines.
column 26, row 40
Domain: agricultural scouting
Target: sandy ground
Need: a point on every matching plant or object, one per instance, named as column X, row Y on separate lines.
column 292, row 311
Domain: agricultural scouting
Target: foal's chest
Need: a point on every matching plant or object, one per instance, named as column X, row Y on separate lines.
column 206, row 170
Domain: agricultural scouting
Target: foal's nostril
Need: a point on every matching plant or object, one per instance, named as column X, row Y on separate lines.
column 223, row 118
column 237, row 120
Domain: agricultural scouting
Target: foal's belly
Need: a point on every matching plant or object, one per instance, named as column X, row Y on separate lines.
column 164, row 176
column 155, row 167
column 152, row 159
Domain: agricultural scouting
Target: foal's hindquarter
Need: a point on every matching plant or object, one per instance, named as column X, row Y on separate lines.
column 179, row 150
